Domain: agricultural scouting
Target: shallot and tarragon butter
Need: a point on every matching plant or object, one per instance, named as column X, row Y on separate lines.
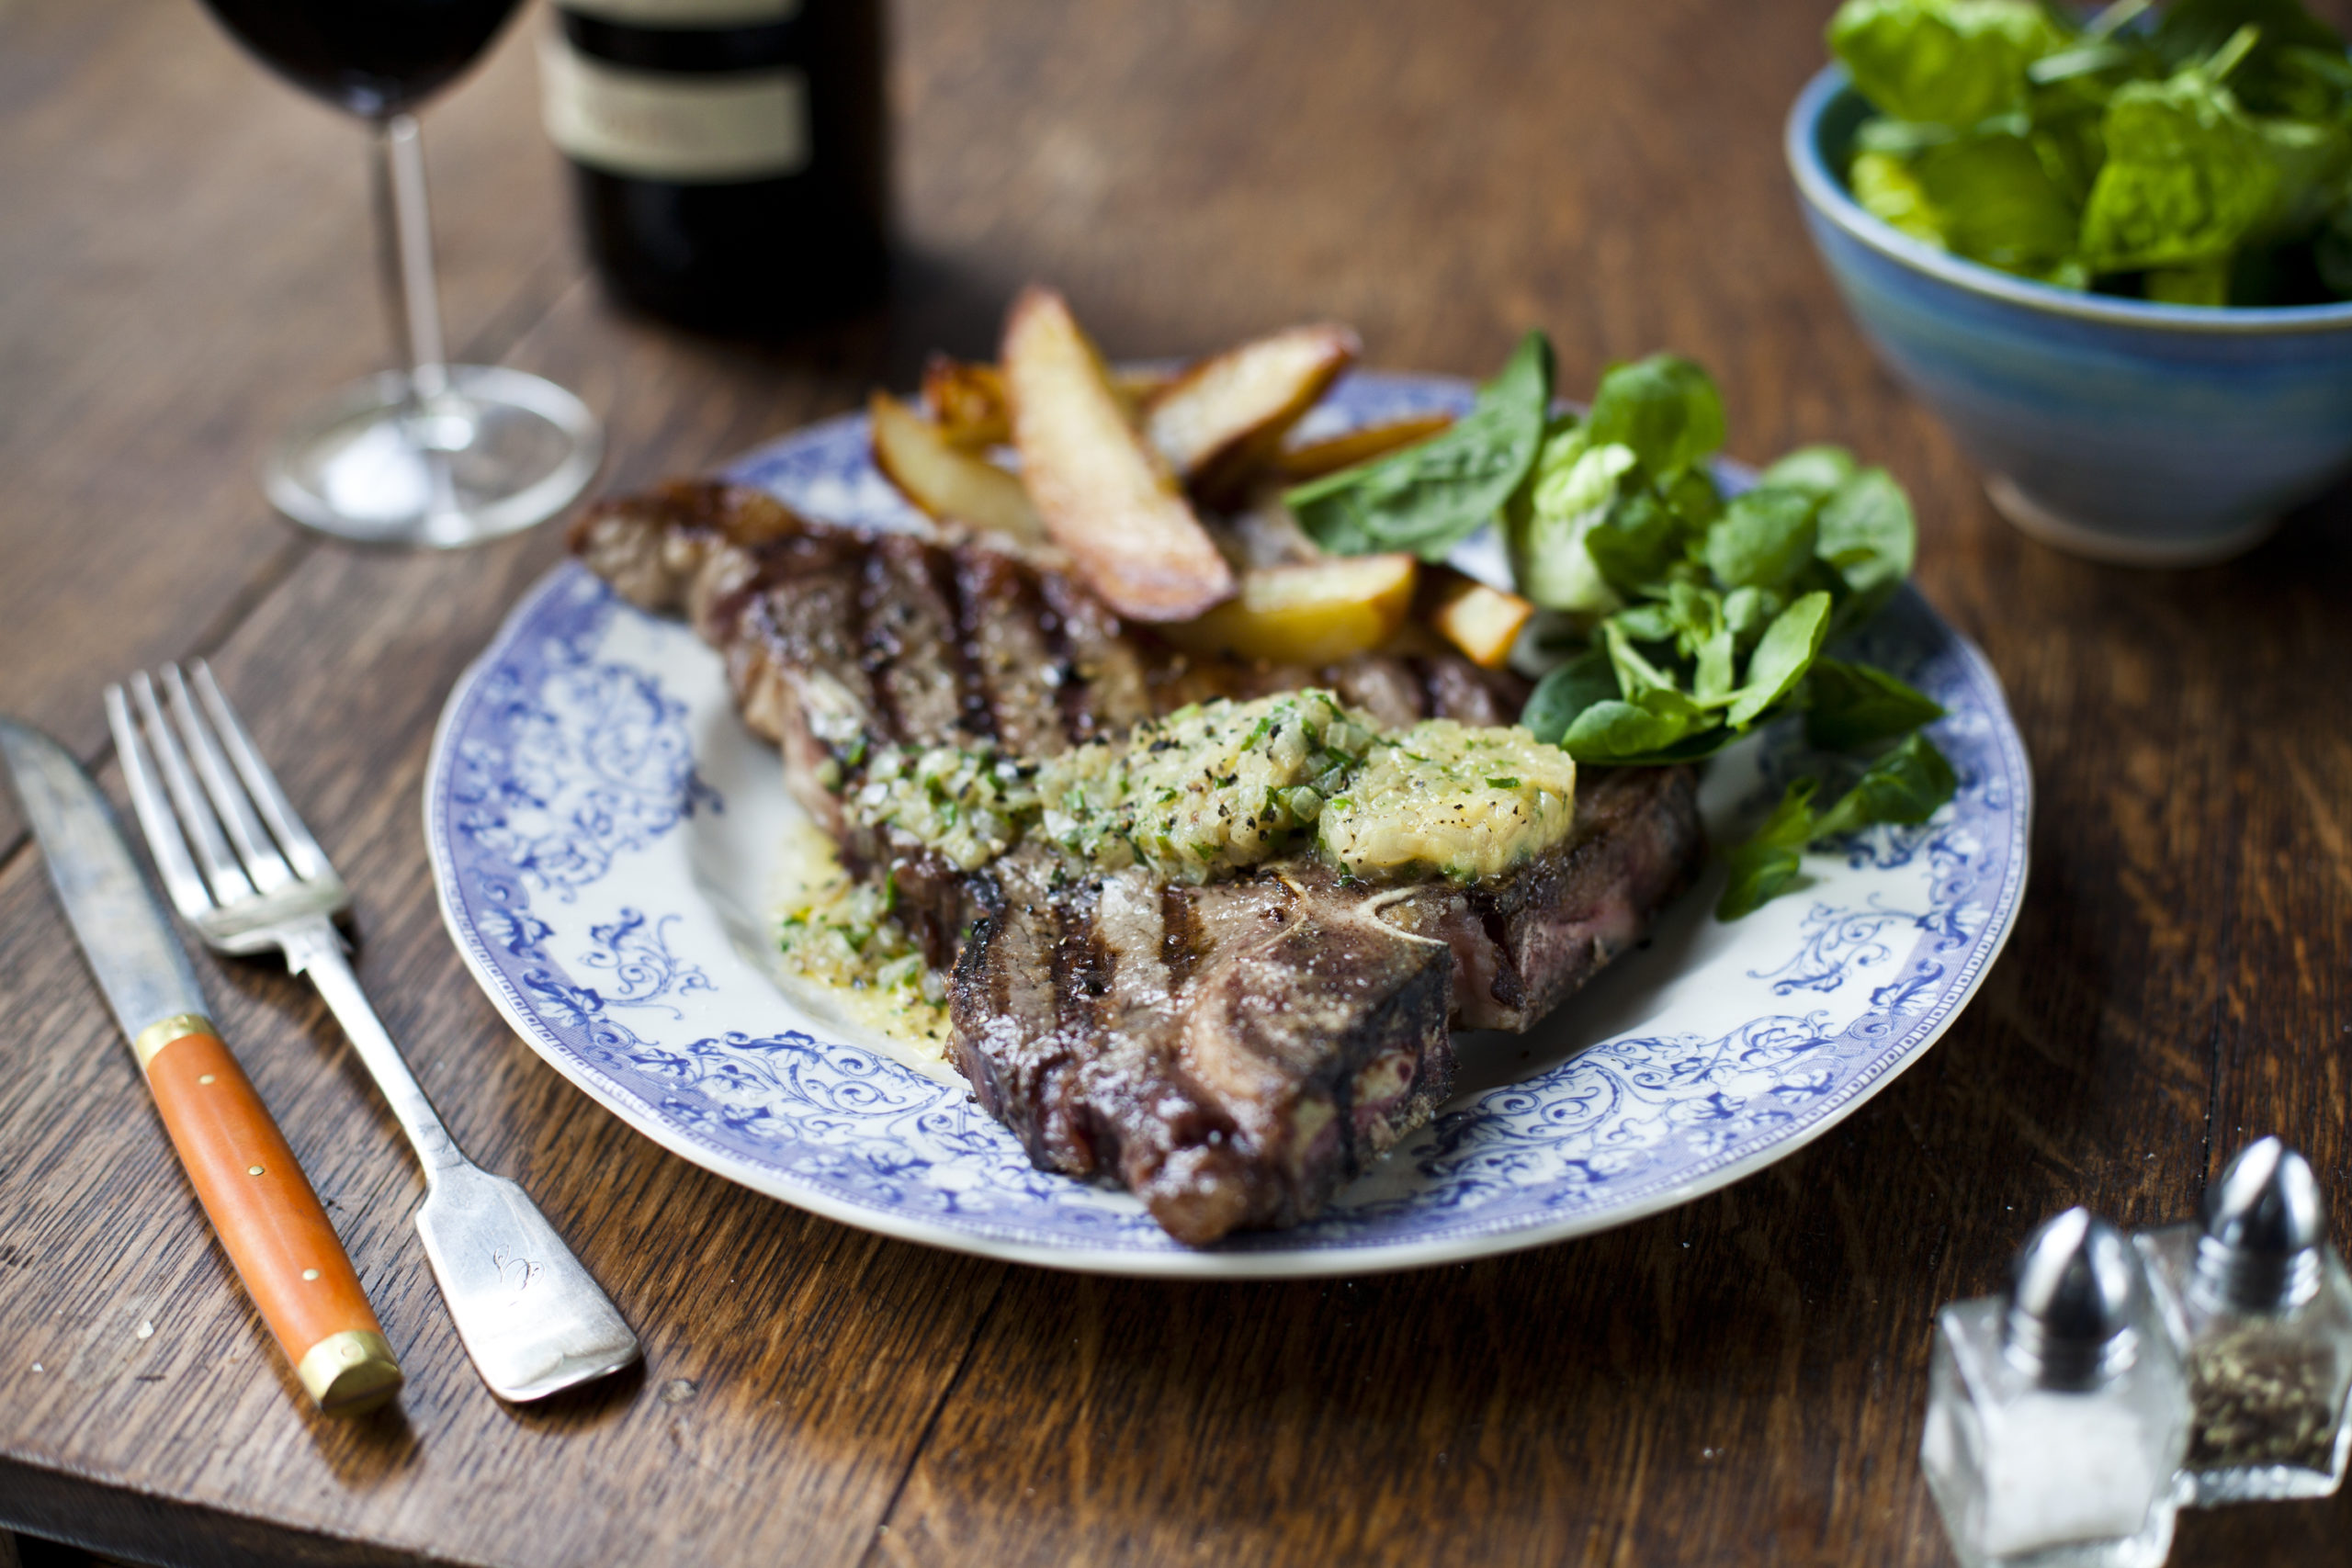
column 1216, row 788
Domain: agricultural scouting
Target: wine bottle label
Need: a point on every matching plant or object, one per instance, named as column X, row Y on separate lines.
column 688, row 13
column 707, row 128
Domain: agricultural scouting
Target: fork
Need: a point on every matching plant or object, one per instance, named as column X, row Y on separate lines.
column 530, row 1317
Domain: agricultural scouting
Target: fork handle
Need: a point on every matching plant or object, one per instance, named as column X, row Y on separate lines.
column 315, row 948
column 268, row 1219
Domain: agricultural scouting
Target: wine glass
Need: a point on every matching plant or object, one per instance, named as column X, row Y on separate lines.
column 434, row 453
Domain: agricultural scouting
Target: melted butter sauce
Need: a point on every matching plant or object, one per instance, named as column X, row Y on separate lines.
column 841, row 954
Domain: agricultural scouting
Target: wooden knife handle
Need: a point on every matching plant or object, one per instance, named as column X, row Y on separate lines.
column 267, row 1217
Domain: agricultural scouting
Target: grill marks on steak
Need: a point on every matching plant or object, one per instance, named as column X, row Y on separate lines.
column 1232, row 1054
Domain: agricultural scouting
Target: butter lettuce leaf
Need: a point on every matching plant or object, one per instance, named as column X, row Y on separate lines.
column 1949, row 62
column 2187, row 177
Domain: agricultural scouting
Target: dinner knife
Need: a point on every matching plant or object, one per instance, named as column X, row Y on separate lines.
column 260, row 1205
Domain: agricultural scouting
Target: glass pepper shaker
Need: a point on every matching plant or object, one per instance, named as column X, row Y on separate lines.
column 2057, row 1414
column 2260, row 1308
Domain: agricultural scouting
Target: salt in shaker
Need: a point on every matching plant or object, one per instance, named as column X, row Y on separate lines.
column 2057, row 1414
column 2260, row 1308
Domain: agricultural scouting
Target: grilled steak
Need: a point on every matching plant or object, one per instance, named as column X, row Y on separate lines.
column 1231, row 1053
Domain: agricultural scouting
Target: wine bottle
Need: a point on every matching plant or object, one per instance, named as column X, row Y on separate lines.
column 730, row 155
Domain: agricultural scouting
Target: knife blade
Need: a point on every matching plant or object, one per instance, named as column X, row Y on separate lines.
column 262, row 1207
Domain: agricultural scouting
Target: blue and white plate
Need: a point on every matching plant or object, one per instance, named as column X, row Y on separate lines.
column 606, row 839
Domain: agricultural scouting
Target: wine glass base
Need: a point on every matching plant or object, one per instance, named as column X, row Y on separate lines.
column 498, row 451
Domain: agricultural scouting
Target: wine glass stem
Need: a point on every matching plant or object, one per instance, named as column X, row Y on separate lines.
column 404, row 227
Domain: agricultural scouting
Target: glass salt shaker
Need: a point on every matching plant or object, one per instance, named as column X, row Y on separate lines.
column 2260, row 1308
column 2057, row 1414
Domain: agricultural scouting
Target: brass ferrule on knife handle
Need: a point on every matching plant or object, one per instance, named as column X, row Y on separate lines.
column 268, row 1219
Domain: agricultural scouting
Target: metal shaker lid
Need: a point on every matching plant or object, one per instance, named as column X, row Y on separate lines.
column 2263, row 1225
column 2073, row 1293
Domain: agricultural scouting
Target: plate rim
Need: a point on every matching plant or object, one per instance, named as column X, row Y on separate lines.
column 1327, row 1260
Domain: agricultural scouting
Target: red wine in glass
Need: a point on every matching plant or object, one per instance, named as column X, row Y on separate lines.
column 434, row 453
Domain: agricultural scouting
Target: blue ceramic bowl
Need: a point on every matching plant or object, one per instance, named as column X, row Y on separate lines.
column 2155, row 434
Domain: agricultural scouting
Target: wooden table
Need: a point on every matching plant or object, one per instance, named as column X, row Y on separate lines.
column 186, row 261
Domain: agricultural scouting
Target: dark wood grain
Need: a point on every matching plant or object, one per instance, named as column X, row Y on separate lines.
column 1736, row 1381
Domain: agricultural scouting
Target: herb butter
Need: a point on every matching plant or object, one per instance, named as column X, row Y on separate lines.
column 1453, row 800
column 1218, row 787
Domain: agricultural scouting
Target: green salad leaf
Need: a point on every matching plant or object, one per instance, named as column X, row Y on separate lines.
column 1663, row 408
column 1429, row 497
column 1764, row 864
column 1950, row 62
column 2187, row 176
column 1683, row 619
column 2199, row 152
column 2277, row 74
column 1906, row 786
column 1852, row 706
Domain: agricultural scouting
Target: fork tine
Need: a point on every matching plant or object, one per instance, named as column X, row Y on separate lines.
column 309, row 860
column 262, row 862
column 164, row 842
column 220, row 869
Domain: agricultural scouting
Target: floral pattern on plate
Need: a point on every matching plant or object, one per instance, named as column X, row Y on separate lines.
column 599, row 824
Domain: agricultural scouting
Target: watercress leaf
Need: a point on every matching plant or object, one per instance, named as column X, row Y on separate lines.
column 1616, row 732
column 1852, row 706
column 1663, row 407
column 1695, row 614
column 1906, row 786
column 1747, row 610
column 1816, row 470
column 1867, row 536
column 2187, row 177
column 1764, row 538
column 1693, row 497
column 1428, row 498
column 1954, row 62
column 1764, row 866
column 1567, row 692
column 1644, row 623
column 1710, row 680
column 1783, row 655
column 1635, row 540
column 1635, row 674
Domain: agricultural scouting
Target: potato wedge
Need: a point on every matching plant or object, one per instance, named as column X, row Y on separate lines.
column 966, row 397
column 1312, row 612
column 1107, row 498
column 1482, row 622
column 945, row 481
column 1296, row 464
column 968, row 400
column 1219, row 421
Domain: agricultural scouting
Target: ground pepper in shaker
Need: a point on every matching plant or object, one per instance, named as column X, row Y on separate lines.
column 2260, row 1308
column 2057, row 1414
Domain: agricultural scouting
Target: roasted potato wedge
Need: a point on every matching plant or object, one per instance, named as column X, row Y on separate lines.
column 967, row 401
column 1482, row 622
column 1312, row 612
column 1296, row 464
column 946, row 482
column 1107, row 498
column 966, row 398
column 1220, row 421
